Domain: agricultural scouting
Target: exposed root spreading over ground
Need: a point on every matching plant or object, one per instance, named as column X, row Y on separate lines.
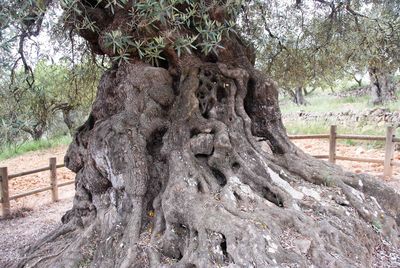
column 38, row 216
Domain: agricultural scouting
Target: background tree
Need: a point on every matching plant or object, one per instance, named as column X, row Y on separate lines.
column 56, row 88
column 313, row 50
column 42, row 85
column 169, row 167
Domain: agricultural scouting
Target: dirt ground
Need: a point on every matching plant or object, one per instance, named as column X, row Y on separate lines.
column 321, row 147
column 36, row 215
column 19, row 233
column 31, row 161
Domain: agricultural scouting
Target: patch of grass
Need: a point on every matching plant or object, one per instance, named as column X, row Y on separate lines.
column 300, row 127
column 329, row 181
column 322, row 102
column 350, row 142
column 394, row 105
column 12, row 150
column 377, row 225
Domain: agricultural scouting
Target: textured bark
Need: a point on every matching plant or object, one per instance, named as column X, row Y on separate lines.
column 68, row 120
column 170, row 171
column 383, row 89
column 297, row 95
column 359, row 81
column 35, row 131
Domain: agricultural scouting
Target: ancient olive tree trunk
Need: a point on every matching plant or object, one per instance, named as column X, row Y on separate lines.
column 170, row 172
column 190, row 166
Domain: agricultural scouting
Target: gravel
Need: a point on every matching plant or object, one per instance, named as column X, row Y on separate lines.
column 28, row 226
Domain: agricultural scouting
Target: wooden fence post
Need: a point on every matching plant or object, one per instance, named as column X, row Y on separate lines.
column 332, row 144
column 53, row 179
column 5, row 195
column 389, row 149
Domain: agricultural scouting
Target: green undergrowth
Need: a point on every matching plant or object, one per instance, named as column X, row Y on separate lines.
column 324, row 103
column 320, row 127
column 13, row 150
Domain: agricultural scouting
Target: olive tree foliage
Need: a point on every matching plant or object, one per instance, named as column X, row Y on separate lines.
column 75, row 95
column 152, row 28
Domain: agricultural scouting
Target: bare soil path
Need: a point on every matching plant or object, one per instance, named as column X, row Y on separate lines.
column 321, row 147
column 19, row 233
column 35, row 215
column 31, row 161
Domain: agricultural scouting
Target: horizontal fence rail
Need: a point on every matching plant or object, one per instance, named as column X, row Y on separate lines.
column 306, row 137
column 53, row 187
column 360, row 137
column 390, row 139
column 12, row 176
column 358, row 159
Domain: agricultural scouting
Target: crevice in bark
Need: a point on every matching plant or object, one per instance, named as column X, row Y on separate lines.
column 235, row 167
column 200, row 188
column 194, row 132
column 272, row 197
column 254, row 108
column 237, row 196
column 248, row 100
column 221, row 94
column 224, row 248
column 219, row 176
column 154, row 143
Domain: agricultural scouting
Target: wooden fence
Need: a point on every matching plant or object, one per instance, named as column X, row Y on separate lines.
column 54, row 185
column 389, row 139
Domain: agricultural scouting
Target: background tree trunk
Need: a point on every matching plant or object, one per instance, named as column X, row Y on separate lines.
column 300, row 100
column 36, row 131
column 358, row 80
column 383, row 88
column 69, row 122
column 306, row 92
column 297, row 96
